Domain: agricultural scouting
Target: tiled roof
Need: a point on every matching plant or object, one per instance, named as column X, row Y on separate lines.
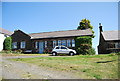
column 111, row 35
column 56, row 34
column 4, row 31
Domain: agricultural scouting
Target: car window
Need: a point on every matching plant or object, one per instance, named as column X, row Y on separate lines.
column 63, row 48
column 57, row 47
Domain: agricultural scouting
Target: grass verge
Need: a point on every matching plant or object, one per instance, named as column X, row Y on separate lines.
column 3, row 54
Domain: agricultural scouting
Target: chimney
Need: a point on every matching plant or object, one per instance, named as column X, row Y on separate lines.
column 100, row 27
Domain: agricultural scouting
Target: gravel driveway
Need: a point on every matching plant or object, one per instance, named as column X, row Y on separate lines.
column 20, row 70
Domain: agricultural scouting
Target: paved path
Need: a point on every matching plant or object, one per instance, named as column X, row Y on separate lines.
column 20, row 70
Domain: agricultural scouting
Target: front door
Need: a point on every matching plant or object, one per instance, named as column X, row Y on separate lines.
column 41, row 49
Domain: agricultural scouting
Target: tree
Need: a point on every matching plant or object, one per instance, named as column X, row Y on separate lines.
column 8, row 43
column 85, row 24
column 84, row 43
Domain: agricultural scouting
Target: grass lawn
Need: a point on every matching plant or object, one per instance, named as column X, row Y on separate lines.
column 86, row 67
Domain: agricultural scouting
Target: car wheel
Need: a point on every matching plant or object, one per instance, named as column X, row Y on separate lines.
column 54, row 53
column 71, row 53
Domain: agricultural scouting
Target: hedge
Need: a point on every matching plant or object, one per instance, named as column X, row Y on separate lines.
column 84, row 45
column 8, row 43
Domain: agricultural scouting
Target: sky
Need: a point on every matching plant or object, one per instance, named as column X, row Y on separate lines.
column 34, row 17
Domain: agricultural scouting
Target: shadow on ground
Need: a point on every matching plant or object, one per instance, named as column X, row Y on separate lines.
column 105, row 61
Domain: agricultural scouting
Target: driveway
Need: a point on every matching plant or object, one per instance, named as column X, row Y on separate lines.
column 20, row 70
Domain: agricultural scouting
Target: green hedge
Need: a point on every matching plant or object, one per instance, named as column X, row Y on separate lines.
column 8, row 43
column 84, row 45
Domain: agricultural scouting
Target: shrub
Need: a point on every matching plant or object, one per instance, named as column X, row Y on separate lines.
column 118, row 53
column 6, row 51
column 91, row 51
column 18, row 51
column 8, row 43
column 47, row 50
column 11, row 52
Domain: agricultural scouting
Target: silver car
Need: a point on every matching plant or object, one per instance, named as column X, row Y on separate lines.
column 63, row 50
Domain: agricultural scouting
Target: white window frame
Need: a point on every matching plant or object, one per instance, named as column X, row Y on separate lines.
column 45, row 44
column 22, row 44
column 59, row 42
column 54, row 43
column 64, row 42
column 36, row 44
column 14, row 45
column 68, row 43
column 73, row 43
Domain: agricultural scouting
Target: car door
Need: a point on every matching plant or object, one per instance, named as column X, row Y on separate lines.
column 58, row 50
column 64, row 50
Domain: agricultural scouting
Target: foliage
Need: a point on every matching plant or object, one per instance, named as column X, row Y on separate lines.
column 91, row 51
column 85, row 24
column 8, row 43
column 6, row 51
column 17, row 51
column 113, row 54
column 47, row 50
column 11, row 52
column 84, row 45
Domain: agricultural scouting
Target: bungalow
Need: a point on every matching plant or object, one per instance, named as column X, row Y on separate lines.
column 3, row 34
column 46, row 41
column 109, row 41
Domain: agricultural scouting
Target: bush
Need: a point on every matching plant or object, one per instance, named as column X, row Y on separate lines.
column 6, row 51
column 83, row 45
column 18, row 51
column 8, row 43
column 113, row 54
column 11, row 52
column 47, row 51
column 91, row 51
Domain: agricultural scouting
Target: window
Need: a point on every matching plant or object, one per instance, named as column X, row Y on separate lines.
column 54, row 43
column 45, row 44
column 68, row 43
column 117, row 45
column 111, row 45
column 22, row 44
column 63, row 48
column 36, row 44
column 64, row 42
column 73, row 43
column 57, row 47
column 59, row 42
column 14, row 45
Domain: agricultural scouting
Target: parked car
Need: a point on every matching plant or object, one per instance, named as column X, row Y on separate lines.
column 63, row 50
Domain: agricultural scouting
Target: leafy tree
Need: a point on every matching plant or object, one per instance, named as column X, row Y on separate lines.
column 85, row 24
column 8, row 43
column 84, row 43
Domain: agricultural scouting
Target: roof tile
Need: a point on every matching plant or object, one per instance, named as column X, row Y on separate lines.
column 4, row 31
column 111, row 35
column 56, row 34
